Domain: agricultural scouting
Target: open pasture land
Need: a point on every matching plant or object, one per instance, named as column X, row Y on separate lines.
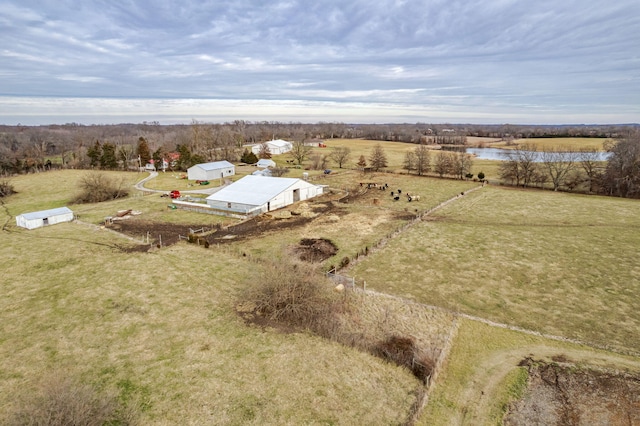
column 160, row 329
column 395, row 151
column 560, row 264
column 547, row 144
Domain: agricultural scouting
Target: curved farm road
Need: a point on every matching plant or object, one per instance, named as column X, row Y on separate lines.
column 140, row 187
column 488, row 376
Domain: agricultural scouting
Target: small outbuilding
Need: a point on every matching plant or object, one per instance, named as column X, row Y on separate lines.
column 42, row 218
column 210, row 171
column 253, row 195
column 265, row 162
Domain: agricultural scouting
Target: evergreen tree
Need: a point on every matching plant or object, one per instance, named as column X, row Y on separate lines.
column 108, row 159
column 248, row 157
column 144, row 154
column 94, row 153
column 184, row 161
column 378, row 158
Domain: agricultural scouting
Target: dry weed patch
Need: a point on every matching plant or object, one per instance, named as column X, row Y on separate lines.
column 295, row 295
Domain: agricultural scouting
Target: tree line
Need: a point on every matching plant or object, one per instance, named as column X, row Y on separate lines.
column 581, row 170
column 25, row 149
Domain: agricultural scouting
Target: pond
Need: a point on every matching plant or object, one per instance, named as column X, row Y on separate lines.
column 504, row 154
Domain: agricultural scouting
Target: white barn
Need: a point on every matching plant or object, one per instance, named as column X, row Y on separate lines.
column 210, row 171
column 276, row 147
column 253, row 195
column 42, row 218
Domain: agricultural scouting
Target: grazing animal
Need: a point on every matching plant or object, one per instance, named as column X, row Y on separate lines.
column 399, row 191
column 392, row 193
column 396, row 198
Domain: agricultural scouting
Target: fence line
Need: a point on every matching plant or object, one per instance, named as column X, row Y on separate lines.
column 341, row 279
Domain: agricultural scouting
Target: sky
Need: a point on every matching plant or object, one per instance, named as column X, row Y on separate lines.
column 350, row 61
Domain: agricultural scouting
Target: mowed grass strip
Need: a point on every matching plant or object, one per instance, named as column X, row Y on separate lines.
column 161, row 328
column 556, row 263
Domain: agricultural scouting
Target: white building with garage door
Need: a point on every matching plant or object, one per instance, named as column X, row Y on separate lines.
column 253, row 195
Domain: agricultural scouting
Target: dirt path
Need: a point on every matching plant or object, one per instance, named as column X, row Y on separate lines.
column 488, row 376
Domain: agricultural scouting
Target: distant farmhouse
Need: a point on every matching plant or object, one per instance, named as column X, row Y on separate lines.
column 210, row 171
column 42, row 218
column 253, row 195
column 276, row 147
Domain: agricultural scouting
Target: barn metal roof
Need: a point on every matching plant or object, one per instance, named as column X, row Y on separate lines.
column 253, row 190
column 214, row 165
column 46, row 213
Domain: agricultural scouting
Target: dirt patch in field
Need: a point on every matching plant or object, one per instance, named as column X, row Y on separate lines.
column 563, row 394
column 300, row 215
column 169, row 233
column 315, row 249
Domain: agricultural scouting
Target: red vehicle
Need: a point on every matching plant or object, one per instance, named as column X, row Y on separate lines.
column 174, row 194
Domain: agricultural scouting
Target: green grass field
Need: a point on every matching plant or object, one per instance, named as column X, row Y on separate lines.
column 570, row 144
column 161, row 328
column 557, row 263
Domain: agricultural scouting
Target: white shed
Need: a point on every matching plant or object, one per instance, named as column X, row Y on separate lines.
column 253, row 195
column 276, row 147
column 210, row 171
column 265, row 162
column 42, row 218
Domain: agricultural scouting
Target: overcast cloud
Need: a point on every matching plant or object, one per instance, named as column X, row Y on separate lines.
column 490, row 61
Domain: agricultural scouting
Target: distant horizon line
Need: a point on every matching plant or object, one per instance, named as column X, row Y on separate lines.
column 47, row 110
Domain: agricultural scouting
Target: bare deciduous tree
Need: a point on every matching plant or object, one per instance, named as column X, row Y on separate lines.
column 591, row 164
column 319, row 161
column 558, row 165
column 341, row 155
column 423, row 160
column 461, row 164
column 622, row 176
column 264, row 151
column 299, row 151
column 444, row 163
column 409, row 162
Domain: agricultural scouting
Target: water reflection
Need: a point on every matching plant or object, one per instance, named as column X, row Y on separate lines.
column 505, row 154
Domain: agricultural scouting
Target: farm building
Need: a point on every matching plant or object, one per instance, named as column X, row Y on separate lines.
column 265, row 162
column 253, row 195
column 210, row 171
column 262, row 172
column 44, row 217
column 276, row 147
